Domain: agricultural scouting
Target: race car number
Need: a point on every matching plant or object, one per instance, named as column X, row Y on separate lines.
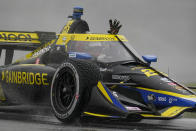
column 149, row 72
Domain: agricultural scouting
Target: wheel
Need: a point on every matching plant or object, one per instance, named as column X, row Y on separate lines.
column 68, row 88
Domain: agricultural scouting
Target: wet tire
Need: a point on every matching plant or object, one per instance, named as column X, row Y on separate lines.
column 70, row 83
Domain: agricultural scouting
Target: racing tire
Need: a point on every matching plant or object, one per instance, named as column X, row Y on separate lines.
column 70, row 83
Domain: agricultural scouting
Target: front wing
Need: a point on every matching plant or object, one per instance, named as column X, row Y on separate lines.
column 106, row 103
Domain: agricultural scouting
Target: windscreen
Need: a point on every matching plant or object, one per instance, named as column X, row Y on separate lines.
column 103, row 51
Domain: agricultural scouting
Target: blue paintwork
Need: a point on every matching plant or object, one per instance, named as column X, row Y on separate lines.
column 163, row 100
column 114, row 100
column 150, row 58
column 166, row 100
column 79, row 55
column 77, row 14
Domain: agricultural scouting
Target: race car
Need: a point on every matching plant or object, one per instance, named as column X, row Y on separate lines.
column 80, row 74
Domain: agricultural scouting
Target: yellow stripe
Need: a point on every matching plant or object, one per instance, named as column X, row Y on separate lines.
column 171, row 112
column 101, row 88
column 39, row 49
column 167, row 93
column 67, row 27
column 99, row 115
column 64, row 38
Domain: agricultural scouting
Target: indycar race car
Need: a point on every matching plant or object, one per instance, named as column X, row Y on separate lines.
column 80, row 74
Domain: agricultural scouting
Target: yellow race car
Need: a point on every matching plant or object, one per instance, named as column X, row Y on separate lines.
column 82, row 74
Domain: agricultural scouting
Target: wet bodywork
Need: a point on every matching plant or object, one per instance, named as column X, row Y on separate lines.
column 27, row 83
column 140, row 91
column 127, row 89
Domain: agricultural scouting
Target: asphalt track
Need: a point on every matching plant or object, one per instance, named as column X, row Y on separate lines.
column 19, row 120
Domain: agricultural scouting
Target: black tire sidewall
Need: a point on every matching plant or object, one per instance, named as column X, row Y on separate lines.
column 74, row 110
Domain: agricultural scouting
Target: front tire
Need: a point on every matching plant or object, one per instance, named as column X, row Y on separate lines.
column 67, row 89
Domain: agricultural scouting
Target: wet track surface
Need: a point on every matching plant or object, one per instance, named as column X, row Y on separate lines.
column 20, row 121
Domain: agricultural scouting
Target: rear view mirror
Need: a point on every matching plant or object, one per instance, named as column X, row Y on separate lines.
column 149, row 58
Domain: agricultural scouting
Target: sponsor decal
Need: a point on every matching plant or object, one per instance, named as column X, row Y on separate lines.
column 41, row 51
column 138, row 67
column 173, row 85
column 162, row 99
column 72, row 55
column 171, row 100
column 100, row 38
column 15, row 37
column 29, row 78
column 120, row 77
column 129, row 108
column 105, row 70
